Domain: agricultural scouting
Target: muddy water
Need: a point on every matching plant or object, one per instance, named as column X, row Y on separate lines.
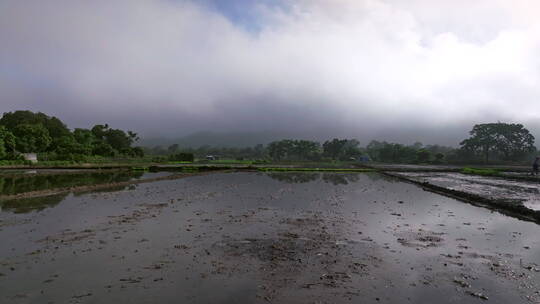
column 276, row 238
column 524, row 192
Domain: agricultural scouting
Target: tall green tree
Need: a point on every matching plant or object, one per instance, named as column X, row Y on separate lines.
column 342, row 149
column 8, row 140
column 119, row 140
column 173, row 148
column 392, row 152
column 67, row 146
column 423, row 155
column 306, row 149
column 279, row 150
column 100, row 131
column 3, row 152
column 103, row 149
column 334, row 147
column 31, row 138
column 511, row 141
column 55, row 127
column 351, row 149
column 292, row 149
column 84, row 137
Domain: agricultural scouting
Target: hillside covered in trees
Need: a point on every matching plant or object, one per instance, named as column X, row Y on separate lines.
column 28, row 132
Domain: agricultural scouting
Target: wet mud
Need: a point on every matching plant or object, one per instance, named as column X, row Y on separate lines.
column 517, row 198
column 267, row 238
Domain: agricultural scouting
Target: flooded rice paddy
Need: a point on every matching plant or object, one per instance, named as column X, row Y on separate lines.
column 267, row 238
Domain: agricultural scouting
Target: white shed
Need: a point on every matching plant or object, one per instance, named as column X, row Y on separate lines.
column 31, row 157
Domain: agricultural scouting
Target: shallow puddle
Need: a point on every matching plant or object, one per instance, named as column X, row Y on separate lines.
column 267, row 238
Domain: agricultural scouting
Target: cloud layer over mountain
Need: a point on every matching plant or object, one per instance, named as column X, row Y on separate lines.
column 401, row 70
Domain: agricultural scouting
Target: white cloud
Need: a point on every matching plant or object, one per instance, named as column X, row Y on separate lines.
column 370, row 64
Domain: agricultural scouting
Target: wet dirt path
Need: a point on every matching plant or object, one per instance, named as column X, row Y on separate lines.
column 267, row 238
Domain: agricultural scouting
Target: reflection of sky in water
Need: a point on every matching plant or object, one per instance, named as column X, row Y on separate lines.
column 528, row 192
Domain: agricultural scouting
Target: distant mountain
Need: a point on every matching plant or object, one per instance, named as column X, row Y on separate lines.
column 217, row 139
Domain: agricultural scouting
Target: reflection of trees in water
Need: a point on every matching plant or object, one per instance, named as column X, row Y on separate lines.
column 306, row 177
column 10, row 185
column 375, row 176
column 294, row 177
column 340, row 178
column 26, row 205
column 107, row 190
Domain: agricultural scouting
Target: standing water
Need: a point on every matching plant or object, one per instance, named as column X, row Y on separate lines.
column 267, row 238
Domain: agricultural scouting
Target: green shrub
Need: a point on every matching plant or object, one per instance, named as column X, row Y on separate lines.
column 182, row 157
column 476, row 171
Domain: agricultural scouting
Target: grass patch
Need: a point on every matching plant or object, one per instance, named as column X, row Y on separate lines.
column 140, row 168
column 190, row 169
column 279, row 169
column 484, row 172
column 228, row 162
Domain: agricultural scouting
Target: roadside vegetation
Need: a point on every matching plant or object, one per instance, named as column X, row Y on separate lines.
column 27, row 132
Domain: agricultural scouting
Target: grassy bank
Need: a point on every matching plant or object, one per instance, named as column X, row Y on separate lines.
column 483, row 172
column 292, row 169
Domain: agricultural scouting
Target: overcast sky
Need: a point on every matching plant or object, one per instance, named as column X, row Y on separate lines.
column 401, row 70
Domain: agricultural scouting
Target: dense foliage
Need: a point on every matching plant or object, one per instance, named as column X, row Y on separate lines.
column 294, row 150
column 182, row 157
column 501, row 141
column 28, row 132
column 341, row 149
column 415, row 153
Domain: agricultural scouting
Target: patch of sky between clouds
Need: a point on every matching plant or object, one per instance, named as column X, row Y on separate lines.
column 245, row 14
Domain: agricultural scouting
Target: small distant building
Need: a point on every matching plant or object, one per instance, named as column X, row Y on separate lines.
column 31, row 157
column 364, row 159
column 210, row 157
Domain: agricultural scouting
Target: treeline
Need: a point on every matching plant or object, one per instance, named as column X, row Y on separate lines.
column 495, row 142
column 173, row 152
column 490, row 142
column 306, row 150
column 335, row 149
column 28, row 132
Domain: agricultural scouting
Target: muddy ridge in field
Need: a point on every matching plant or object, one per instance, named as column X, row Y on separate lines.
column 493, row 188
